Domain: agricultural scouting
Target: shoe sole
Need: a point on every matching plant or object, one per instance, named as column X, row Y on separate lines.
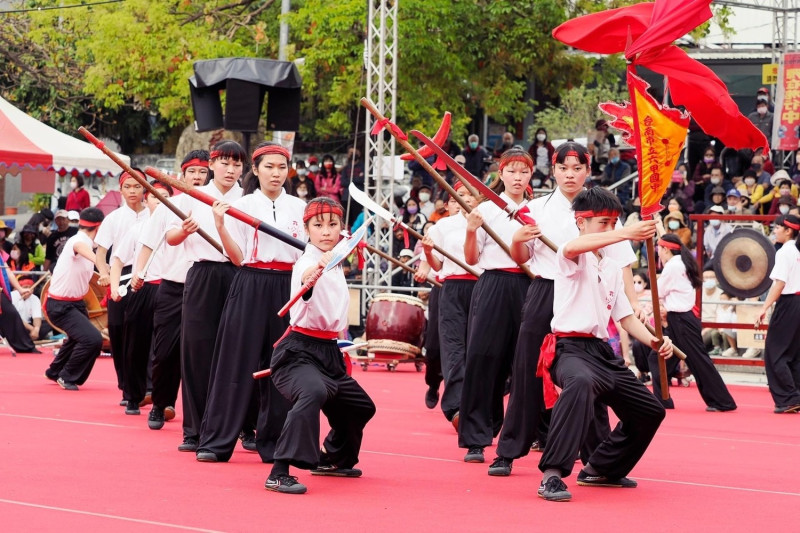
column 65, row 387
column 290, row 491
column 155, row 424
column 473, row 459
column 169, row 413
column 129, row 412
column 556, row 498
column 346, row 472
column 607, row 484
column 148, row 399
column 207, row 458
column 499, row 473
column 187, row 447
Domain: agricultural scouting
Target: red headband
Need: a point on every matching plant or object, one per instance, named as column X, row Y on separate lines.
column 521, row 158
column 88, row 223
column 194, row 163
column 457, row 185
column 669, row 245
column 320, row 208
column 158, row 185
column 792, row 225
column 213, row 154
column 124, row 176
column 271, row 149
column 572, row 153
column 590, row 214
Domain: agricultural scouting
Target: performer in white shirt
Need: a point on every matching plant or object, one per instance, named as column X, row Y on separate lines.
column 496, row 308
column 454, row 301
column 250, row 325
column 782, row 348
column 111, row 232
column 676, row 286
column 29, row 308
column 588, row 291
column 527, row 420
column 167, row 314
column 308, row 369
column 137, row 329
column 207, row 284
column 67, row 311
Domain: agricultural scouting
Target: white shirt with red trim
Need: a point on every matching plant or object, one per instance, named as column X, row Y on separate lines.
column 587, row 294
column 449, row 233
column 117, row 224
column 326, row 309
column 492, row 256
column 285, row 214
column 555, row 218
column 787, row 268
column 675, row 288
column 72, row 272
column 128, row 249
column 174, row 263
column 195, row 246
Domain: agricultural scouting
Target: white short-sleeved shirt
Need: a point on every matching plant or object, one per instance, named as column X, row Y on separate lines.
column 787, row 267
column 555, row 218
column 128, row 249
column 449, row 234
column 195, row 246
column 117, row 224
column 73, row 272
column 492, row 256
column 326, row 309
column 675, row 288
column 587, row 294
column 29, row 308
column 174, row 263
column 285, row 214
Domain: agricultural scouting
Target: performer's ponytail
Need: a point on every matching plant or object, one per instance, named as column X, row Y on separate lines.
column 692, row 272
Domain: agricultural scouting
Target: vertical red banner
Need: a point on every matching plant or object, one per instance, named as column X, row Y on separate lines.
column 787, row 121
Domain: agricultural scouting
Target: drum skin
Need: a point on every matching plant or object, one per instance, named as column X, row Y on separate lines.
column 98, row 315
column 395, row 326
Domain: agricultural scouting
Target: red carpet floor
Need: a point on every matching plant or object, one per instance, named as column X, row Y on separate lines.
column 73, row 461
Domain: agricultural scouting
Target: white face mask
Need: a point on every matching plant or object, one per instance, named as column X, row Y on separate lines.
column 302, row 172
column 673, row 224
column 302, row 193
column 424, row 196
column 749, row 181
column 541, row 137
column 715, row 181
column 762, row 110
column 73, row 185
column 709, row 284
column 536, row 183
column 14, row 254
column 715, row 223
column 783, row 209
column 638, row 286
column 314, row 168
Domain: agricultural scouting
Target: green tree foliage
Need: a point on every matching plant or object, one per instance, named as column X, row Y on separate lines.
column 578, row 112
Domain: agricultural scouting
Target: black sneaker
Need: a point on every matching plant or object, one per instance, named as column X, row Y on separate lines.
column 207, row 457
column 588, row 480
column 123, row 403
column 335, row 471
column 787, row 409
column 248, row 441
column 554, row 490
column 189, row 444
column 537, row 446
column 286, row 484
column 474, row 455
column 132, row 408
column 431, row 397
column 66, row 385
column 155, row 419
column 500, row 467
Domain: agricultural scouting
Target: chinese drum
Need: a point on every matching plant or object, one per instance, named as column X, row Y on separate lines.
column 395, row 327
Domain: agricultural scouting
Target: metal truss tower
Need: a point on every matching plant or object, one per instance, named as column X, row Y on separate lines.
column 381, row 66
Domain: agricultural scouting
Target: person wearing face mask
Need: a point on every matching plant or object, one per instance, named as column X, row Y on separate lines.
column 762, row 175
column 301, row 191
column 762, row 95
column 541, row 151
column 415, row 220
column 328, row 181
column 613, row 172
column 781, row 187
column 717, row 180
column 675, row 223
column 313, row 167
column 750, row 186
column 303, row 177
column 715, row 231
column 712, row 337
column 784, row 205
column 717, row 199
column 78, row 198
column 701, row 178
column 732, row 199
column 762, row 118
column 426, row 207
column 475, row 156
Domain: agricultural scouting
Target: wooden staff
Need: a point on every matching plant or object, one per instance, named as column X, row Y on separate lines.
column 232, row 211
column 396, row 133
column 144, row 183
column 400, row 264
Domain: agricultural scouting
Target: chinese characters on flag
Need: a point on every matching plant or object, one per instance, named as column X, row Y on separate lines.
column 787, row 124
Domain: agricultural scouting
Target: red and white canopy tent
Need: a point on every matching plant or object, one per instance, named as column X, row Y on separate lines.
column 39, row 152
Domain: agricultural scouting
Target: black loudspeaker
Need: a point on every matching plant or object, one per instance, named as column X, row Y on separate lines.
column 283, row 109
column 207, row 108
column 244, row 101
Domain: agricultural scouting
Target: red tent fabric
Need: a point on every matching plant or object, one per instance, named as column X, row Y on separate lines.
column 111, row 201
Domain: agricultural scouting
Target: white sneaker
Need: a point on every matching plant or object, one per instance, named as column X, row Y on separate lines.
column 730, row 352
column 752, row 353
